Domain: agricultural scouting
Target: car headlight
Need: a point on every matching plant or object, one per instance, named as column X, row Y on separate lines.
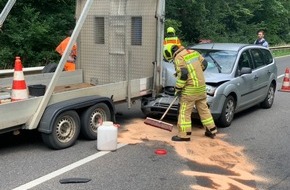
column 210, row 90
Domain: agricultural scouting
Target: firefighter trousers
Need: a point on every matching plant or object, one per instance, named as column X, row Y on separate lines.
column 187, row 103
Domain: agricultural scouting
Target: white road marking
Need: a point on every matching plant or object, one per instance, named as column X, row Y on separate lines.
column 63, row 170
column 280, row 76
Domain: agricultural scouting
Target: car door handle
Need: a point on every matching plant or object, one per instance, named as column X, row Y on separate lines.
column 269, row 72
column 256, row 77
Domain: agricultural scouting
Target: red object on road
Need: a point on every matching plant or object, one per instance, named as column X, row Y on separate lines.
column 160, row 151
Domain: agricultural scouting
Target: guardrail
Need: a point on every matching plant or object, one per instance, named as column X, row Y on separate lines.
column 29, row 70
column 279, row 47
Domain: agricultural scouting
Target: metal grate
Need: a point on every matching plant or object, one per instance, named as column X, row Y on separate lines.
column 113, row 29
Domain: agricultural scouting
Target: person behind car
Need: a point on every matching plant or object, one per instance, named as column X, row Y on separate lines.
column 261, row 40
column 190, row 86
column 70, row 63
column 171, row 38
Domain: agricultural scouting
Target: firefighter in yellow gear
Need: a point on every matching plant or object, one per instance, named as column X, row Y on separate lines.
column 171, row 38
column 190, row 86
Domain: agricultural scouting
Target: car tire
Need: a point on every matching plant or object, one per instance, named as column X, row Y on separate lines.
column 65, row 131
column 268, row 102
column 228, row 112
column 91, row 119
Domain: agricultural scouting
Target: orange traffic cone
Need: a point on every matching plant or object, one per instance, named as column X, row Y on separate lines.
column 19, row 88
column 286, row 82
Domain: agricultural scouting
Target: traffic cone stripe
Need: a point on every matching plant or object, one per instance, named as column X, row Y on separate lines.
column 18, row 75
column 18, row 66
column 19, row 94
column 21, row 84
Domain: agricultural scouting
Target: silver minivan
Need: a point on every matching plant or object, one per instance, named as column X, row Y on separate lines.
column 238, row 76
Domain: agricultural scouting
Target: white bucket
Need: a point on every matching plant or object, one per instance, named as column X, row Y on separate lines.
column 107, row 136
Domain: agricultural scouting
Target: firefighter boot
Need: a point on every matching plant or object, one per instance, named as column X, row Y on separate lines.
column 209, row 134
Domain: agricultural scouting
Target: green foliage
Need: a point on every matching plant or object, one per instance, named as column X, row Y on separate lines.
column 282, row 52
column 175, row 24
column 33, row 29
column 231, row 20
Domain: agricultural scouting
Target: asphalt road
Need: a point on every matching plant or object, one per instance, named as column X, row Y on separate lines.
column 264, row 135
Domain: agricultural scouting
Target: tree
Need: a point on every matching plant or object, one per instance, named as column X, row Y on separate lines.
column 33, row 29
column 231, row 20
column 273, row 16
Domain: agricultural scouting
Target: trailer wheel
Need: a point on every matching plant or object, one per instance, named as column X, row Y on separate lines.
column 91, row 119
column 65, row 131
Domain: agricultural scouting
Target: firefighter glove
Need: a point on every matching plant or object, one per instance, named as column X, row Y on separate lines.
column 177, row 93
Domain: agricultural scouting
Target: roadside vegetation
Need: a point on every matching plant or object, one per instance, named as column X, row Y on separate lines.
column 282, row 52
column 32, row 31
column 34, row 28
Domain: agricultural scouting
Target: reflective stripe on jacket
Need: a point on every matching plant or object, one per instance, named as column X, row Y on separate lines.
column 172, row 40
column 195, row 82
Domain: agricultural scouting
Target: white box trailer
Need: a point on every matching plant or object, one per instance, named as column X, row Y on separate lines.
column 118, row 40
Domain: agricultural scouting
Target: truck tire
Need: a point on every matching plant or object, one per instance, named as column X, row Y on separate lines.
column 91, row 119
column 65, row 131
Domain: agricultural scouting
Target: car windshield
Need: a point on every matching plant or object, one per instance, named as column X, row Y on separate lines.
column 219, row 61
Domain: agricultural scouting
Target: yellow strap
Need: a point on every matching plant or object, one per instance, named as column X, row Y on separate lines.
column 208, row 121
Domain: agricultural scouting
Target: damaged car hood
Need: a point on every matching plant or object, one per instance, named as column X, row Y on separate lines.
column 216, row 77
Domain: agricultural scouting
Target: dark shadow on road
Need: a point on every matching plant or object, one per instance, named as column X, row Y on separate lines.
column 25, row 138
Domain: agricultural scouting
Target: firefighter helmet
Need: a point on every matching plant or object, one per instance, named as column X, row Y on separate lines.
column 170, row 30
column 169, row 50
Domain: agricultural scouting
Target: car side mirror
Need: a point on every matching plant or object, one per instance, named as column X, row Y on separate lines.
column 245, row 70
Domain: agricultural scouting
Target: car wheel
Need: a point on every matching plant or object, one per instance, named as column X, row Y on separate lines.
column 268, row 102
column 228, row 112
column 91, row 119
column 65, row 132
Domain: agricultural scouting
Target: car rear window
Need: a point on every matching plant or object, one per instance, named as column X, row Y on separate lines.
column 261, row 57
column 267, row 56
